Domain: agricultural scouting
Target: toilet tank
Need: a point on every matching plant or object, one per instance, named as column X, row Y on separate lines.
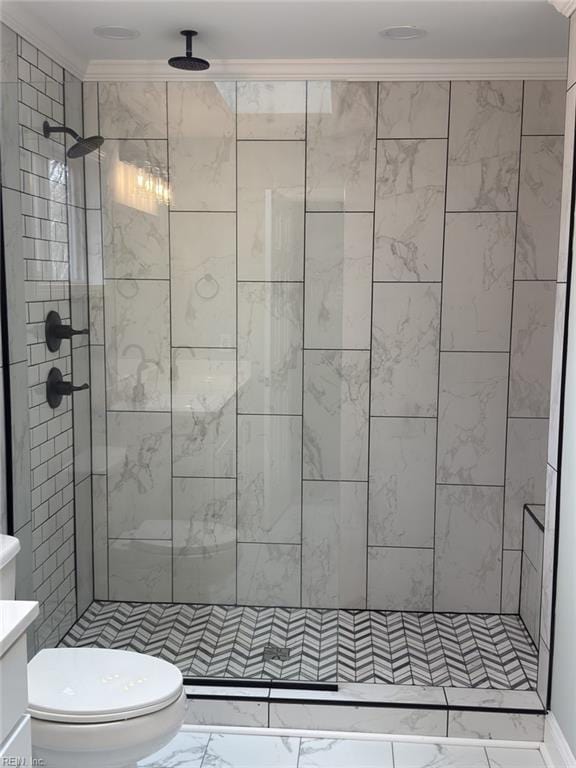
column 9, row 548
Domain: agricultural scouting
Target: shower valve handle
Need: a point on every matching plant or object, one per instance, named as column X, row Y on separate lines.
column 57, row 388
column 55, row 331
column 66, row 332
column 66, row 387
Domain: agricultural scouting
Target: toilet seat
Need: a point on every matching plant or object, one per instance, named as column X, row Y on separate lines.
column 99, row 685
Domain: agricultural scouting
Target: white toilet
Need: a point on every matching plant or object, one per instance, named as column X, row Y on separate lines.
column 101, row 708
column 96, row 707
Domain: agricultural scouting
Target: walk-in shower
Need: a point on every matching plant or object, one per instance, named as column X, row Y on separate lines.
column 320, row 312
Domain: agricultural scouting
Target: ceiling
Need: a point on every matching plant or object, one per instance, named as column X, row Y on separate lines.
column 301, row 29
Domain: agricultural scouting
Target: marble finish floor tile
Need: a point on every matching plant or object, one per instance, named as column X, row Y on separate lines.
column 218, row 749
column 346, row 646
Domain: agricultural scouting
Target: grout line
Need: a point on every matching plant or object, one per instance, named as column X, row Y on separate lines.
column 170, row 366
column 438, row 372
column 302, row 352
column 237, row 437
column 370, row 356
column 510, row 344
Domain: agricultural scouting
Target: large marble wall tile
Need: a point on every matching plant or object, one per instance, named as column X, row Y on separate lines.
column 544, row 106
column 203, row 279
column 134, row 225
column 271, row 110
column 338, row 280
column 91, row 161
column 140, row 570
column 556, row 378
column 484, row 147
column 269, row 574
column 73, row 117
column 202, row 146
column 478, row 275
column 539, row 208
column 468, row 549
column 472, row 418
column 98, row 408
column 270, row 210
column 139, row 476
column 410, row 181
column 95, row 276
column 530, row 598
column 100, row 536
column 334, row 545
column 525, row 474
column 270, row 348
column 548, row 556
column 336, row 391
column 566, row 201
column 402, row 482
column 405, row 340
column 543, row 671
column 81, row 415
column 83, row 543
column 132, row 110
column 341, row 146
column 400, row 579
column 269, row 478
column 137, row 345
column 78, row 271
column 531, row 355
column 204, row 523
column 413, row 110
column 511, row 566
column 204, row 412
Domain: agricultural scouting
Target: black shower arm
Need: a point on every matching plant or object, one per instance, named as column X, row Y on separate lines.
column 57, row 129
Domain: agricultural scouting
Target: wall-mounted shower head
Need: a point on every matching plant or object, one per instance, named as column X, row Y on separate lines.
column 188, row 62
column 82, row 146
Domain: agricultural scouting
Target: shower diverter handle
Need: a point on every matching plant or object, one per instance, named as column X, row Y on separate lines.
column 55, row 330
column 66, row 331
column 66, row 387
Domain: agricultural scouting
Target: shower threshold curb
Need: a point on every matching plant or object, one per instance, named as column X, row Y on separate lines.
column 370, row 708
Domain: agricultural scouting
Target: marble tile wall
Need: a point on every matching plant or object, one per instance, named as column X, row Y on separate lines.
column 44, row 228
column 559, row 286
column 320, row 373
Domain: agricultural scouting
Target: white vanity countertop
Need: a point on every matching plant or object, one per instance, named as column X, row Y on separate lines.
column 15, row 618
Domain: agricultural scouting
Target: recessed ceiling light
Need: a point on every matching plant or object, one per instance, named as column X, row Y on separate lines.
column 406, row 32
column 116, row 33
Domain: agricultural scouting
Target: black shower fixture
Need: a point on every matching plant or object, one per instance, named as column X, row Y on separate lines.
column 57, row 388
column 55, row 331
column 82, row 146
column 188, row 62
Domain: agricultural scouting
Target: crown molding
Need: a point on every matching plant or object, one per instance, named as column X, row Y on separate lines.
column 335, row 69
column 44, row 38
column 566, row 7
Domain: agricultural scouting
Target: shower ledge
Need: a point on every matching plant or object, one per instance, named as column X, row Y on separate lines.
column 372, row 708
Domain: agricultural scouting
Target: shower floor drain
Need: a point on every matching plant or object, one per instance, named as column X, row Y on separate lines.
column 276, row 653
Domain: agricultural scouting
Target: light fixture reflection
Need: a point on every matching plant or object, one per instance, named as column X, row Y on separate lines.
column 141, row 187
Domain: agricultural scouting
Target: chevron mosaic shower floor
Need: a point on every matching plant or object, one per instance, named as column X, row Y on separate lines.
column 461, row 650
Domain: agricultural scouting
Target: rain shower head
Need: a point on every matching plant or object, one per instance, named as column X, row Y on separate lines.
column 188, row 62
column 82, row 146
column 85, row 146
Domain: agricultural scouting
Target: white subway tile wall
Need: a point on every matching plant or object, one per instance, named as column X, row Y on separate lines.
column 359, row 302
column 44, row 211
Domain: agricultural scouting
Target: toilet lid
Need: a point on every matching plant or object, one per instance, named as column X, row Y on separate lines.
column 97, row 685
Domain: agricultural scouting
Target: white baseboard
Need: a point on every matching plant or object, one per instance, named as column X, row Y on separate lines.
column 556, row 750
